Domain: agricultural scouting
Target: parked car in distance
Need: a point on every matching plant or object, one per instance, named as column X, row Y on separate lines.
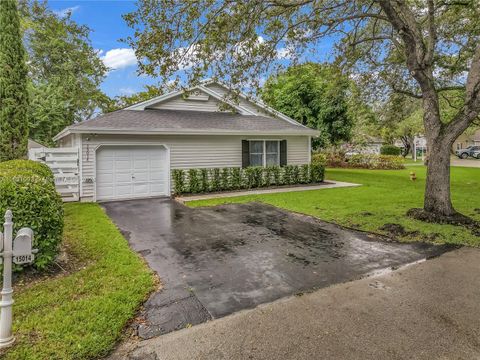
column 476, row 154
column 469, row 151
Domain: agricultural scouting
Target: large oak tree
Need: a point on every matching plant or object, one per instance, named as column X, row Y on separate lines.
column 422, row 48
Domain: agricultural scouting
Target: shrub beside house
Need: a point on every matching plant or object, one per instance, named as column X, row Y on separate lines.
column 228, row 179
column 28, row 189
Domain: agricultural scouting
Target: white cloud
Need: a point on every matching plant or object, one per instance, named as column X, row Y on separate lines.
column 188, row 56
column 284, row 53
column 66, row 11
column 119, row 58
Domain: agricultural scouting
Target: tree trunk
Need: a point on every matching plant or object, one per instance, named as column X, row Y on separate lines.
column 406, row 145
column 437, row 199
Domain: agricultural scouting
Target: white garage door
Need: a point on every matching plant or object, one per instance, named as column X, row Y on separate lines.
column 127, row 172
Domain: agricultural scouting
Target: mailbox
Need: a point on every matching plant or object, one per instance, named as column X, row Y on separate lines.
column 18, row 251
column 22, row 247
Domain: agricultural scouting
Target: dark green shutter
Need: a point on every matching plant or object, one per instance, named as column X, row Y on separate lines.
column 245, row 154
column 283, row 152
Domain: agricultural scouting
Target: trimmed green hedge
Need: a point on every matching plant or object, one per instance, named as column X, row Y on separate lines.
column 226, row 179
column 390, row 150
column 28, row 189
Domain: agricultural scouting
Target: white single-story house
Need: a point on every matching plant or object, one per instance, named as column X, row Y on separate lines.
column 130, row 153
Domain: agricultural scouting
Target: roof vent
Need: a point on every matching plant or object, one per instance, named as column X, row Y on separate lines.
column 198, row 95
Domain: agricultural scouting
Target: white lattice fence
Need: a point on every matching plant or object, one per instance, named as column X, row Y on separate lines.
column 64, row 164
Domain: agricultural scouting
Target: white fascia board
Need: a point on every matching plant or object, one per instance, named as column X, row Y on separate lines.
column 187, row 132
column 219, row 97
column 258, row 103
column 142, row 105
column 162, row 98
column 62, row 134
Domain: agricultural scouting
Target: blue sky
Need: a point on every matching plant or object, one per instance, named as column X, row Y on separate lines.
column 104, row 17
column 108, row 27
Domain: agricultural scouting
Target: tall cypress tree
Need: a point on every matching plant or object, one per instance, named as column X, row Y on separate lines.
column 13, row 85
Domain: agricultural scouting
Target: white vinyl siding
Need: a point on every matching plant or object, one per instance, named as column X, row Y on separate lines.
column 257, row 110
column 192, row 151
column 181, row 103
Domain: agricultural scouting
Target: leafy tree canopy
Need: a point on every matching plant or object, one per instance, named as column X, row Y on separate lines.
column 65, row 71
column 121, row 102
column 316, row 95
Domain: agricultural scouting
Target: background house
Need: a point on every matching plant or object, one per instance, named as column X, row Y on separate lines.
column 467, row 139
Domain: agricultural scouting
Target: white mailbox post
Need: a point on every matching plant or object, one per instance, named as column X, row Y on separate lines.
column 20, row 252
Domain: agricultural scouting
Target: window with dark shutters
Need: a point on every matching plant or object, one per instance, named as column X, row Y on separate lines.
column 283, row 152
column 245, row 154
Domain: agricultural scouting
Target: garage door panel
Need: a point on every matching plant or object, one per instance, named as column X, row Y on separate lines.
column 104, row 165
column 141, row 176
column 141, row 189
column 131, row 172
column 106, row 190
column 123, row 177
column 157, row 187
column 140, row 164
column 157, row 163
column 157, row 176
column 123, row 189
column 123, row 164
column 105, row 178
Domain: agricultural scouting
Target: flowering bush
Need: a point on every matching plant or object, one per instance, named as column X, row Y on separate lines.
column 337, row 159
column 373, row 161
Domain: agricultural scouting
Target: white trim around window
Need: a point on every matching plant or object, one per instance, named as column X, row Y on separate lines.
column 265, row 155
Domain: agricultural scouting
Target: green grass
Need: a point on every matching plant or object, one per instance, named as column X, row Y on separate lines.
column 81, row 315
column 386, row 195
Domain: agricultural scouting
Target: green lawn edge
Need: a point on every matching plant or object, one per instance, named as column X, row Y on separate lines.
column 82, row 315
column 384, row 197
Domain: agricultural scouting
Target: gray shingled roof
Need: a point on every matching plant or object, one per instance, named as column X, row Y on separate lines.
column 184, row 120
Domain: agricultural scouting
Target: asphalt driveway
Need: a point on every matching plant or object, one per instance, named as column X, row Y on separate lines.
column 215, row 261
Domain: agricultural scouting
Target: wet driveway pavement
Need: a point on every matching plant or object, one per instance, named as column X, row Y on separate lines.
column 219, row 260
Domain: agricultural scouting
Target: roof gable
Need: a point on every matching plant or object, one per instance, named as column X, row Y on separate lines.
column 195, row 101
column 197, row 98
column 212, row 91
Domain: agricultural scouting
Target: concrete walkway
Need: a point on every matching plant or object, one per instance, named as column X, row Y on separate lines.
column 430, row 310
column 330, row 184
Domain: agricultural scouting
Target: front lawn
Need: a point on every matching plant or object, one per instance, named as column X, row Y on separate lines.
column 81, row 315
column 383, row 198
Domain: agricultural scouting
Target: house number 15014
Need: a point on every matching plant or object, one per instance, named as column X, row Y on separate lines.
column 23, row 259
